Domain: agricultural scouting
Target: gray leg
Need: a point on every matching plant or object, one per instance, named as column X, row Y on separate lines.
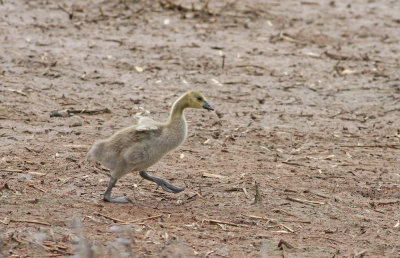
column 161, row 182
column 107, row 195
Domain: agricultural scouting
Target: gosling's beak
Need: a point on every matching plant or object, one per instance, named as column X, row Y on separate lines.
column 207, row 106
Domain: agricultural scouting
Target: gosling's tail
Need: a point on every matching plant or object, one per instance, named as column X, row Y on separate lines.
column 94, row 154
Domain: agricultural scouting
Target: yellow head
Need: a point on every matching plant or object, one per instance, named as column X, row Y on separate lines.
column 197, row 100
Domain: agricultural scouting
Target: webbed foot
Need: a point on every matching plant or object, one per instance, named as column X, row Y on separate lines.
column 161, row 182
column 107, row 195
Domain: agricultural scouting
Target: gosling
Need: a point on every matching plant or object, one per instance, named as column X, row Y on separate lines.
column 140, row 146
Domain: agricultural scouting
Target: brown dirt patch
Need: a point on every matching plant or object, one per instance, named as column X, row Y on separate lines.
column 307, row 107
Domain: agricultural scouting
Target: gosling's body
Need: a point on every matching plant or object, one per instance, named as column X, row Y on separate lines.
column 140, row 146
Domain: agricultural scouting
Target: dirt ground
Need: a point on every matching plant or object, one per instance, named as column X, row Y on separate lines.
column 306, row 95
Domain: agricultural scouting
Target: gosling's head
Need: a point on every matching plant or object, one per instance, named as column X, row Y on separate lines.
column 197, row 100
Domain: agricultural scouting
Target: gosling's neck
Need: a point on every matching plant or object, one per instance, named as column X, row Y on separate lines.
column 177, row 109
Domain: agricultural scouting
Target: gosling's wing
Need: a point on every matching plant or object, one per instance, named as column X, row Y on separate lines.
column 137, row 135
column 146, row 127
column 146, row 124
column 142, row 139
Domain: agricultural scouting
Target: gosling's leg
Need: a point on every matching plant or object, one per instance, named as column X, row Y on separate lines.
column 107, row 195
column 161, row 182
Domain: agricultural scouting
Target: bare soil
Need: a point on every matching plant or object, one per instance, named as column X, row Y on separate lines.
column 307, row 104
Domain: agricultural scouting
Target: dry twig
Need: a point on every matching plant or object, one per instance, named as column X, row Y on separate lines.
column 18, row 92
column 21, row 171
column 257, row 197
column 129, row 222
column 387, row 202
column 89, row 112
column 303, row 201
column 392, row 146
column 360, row 254
column 30, row 221
column 37, row 188
column 146, row 218
column 320, row 195
column 12, row 170
column 287, row 228
column 111, row 218
column 336, row 56
column 250, row 65
column 223, row 222
column 293, row 163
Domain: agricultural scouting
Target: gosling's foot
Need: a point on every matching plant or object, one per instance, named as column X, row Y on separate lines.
column 117, row 199
column 107, row 195
column 161, row 182
column 169, row 187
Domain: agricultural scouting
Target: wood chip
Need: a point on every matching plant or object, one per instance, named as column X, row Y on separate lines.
column 205, row 174
column 139, row 69
column 216, row 82
column 5, row 221
column 34, row 173
column 18, row 92
column 259, row 217
column 246, row 193
column 303, row 201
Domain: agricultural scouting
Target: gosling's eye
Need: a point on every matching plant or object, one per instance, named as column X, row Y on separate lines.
column 199, row 98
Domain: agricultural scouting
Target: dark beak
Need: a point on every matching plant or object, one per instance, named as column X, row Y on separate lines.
column 207, row 106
